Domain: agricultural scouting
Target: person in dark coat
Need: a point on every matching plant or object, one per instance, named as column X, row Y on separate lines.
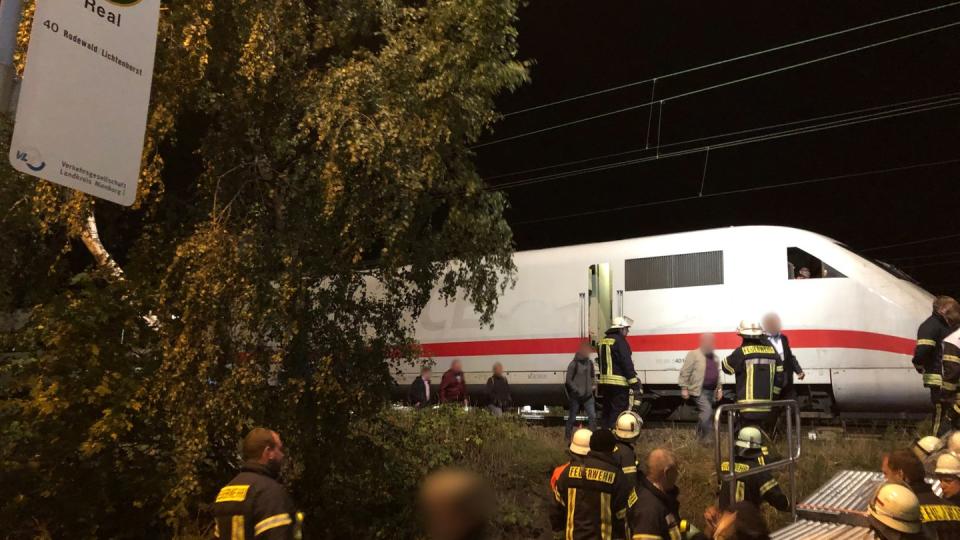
column 498, row 391
column 617, row 373
column 453, row 386
column 774, row 329
column 580, row 383
column 421, row 394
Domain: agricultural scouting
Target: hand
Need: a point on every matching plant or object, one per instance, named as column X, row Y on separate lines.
column 801, row 375
column 637, row 389
column 719, row 394
column 711, row 516
column 684, row 393
column 919, row 369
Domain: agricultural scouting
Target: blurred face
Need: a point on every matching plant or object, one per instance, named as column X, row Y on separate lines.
column 425, row 374
column 891, row 475
column 707, row 343
column 625, row 331
column 497, row 369
column 950, row 485
column 584, row 351
column 455, row 366
column 804, row 273
column 771, row 323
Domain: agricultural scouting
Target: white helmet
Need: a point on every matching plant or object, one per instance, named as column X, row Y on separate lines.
column 925, row 446
column 953, row 442
column 628, row 426
column 896, row 507
column 750, row 329
column 622, row 322
column 750, row 438
column 948, row 464
column 580, row 442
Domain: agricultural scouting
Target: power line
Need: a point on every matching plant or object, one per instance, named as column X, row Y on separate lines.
column 927, row 256
column 937, row 263
column 722, row 135
column 893, row 113
column 714, row 86
column 728, row 60
column 913, row 242
column 748, row 190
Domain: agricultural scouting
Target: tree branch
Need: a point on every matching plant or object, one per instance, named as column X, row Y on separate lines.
column 91, row 238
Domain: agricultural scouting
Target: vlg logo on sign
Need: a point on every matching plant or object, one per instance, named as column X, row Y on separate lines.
column 32, row 158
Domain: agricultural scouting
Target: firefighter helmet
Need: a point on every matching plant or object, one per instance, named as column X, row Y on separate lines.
column 925, row 446
column 628, row 426
column 953, row 443
column 749, row 329
column 580, row 442
column 622, row 322
column 948, row 464
column 897, row 507
column 750, row 438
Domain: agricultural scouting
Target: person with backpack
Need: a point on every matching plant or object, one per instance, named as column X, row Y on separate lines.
column 580, row 384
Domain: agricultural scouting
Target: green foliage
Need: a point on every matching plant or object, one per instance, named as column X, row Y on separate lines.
column 306, row 186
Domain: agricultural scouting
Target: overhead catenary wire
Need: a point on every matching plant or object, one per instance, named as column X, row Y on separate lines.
column 653, row 80
column 923, row 257
column 715, row 86
column 951, row 102
column 912, row 242
column 753, row 189
column 721, row 135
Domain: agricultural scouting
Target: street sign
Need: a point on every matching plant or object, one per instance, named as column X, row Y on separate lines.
column 86, row 89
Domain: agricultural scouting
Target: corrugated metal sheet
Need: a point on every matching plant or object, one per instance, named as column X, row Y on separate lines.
column 816, row 530
column 844, row 498
column 669, row 271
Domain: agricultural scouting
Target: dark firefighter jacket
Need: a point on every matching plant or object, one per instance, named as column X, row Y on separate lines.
column 941, row 518
column 759, row 372
column 926, row 355
column 255, row 506
column 627, row 459
column 754, row 489
column 656, row 516
column 950, row 356
column 616, row 360
column 591, row 499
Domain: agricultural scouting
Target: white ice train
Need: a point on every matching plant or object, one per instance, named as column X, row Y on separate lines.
column 852, row 326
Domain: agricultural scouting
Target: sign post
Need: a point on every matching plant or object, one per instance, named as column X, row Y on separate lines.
column 83, row 104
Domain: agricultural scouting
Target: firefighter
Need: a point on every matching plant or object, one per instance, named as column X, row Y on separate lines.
column 927, row 357
column 950, row 361
column 759, row 373
column 757, row 488
column 254, row 504
column 617, row 374
column 579, row 447
column 927, row 449
column 591, row 498
column 656, row 516
column 894, row 513
column 940, row 518
column 948, row 473
column 627, row 432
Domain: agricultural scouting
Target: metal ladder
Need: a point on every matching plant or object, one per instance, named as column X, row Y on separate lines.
column 789, row 462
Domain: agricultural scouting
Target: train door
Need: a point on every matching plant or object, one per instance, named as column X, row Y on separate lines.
column 599, row 301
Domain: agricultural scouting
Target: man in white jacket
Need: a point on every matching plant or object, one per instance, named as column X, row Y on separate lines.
column 700, row 380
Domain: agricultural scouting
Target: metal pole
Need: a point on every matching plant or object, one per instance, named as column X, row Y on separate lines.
column 730, row 457
column 793, row 463
column 10, row 12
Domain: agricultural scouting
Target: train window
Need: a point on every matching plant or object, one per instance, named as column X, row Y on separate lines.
column 802, row 265
column 671, row 271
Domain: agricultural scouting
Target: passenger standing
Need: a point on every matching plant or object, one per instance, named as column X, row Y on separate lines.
column 617, row 374
column 421, row 395
column 254, row 504
column 774, row 330
column 580, row 383
column 756, row 488
column 894, row 513
column 591, row 499
column 453, row 386
column 940, row 518
column 700, row 379
column 627, row 432
column 498, row 390
column 759, row 373
column 927, row 357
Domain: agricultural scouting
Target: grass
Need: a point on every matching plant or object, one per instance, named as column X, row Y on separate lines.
column 832, row 452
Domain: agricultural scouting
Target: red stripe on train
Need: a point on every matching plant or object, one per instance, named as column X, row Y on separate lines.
column 799, row 339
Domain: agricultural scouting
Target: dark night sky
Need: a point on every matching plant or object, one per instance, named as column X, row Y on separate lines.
column 582, row 46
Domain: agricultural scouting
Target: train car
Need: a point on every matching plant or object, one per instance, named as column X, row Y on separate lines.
column 852, row 325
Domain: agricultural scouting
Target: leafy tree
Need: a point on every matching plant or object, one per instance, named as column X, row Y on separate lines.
column 307, row 185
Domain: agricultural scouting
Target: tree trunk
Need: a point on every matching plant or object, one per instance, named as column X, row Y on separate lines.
column 91, row 239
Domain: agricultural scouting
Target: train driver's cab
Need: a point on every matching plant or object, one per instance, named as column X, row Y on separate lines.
column 803, row 265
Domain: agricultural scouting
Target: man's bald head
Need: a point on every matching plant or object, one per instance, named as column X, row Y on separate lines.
column 662, row 468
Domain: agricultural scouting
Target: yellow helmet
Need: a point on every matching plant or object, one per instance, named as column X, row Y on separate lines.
column 580, row 442
column 953, row 443
column 925, row 446
column 897, row 507
column 948, row 464
column 628, row 426
column 749, row 329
